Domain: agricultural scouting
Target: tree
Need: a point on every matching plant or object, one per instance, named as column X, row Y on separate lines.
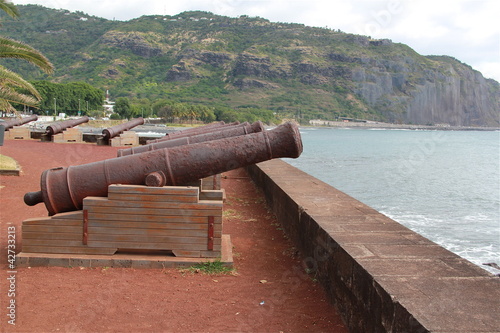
column 13, row 88
column 70, row 97
column 122, row 107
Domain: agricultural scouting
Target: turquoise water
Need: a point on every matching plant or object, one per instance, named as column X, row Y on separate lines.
column 444, row 185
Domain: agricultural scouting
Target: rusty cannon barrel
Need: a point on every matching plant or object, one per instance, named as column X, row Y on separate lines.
column 111, row 132
column 63, row 189
column 191, row 130
column 18, row 122
column 60, row 126
column 225, row 132
column 195, row 131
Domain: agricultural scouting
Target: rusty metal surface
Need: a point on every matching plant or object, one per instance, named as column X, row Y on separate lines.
column 210, row 233
column 60, row 126
column 192, row 130
column 155, row 179
column 63, row 189
column 18, row 122
column 218, row 133
column 111, row 132
column 85, row 236
column 196, row 131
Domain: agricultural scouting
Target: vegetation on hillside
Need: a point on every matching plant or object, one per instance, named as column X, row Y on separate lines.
column 197, row 65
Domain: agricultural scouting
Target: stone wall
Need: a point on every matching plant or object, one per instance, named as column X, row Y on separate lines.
column 381, row 276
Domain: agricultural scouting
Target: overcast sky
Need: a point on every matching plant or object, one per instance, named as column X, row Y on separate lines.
column 468, row 30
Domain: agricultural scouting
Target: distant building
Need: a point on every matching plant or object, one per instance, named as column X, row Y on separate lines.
column 108, row 104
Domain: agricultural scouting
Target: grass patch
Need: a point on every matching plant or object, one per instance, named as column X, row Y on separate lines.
column 210, row 268
column 7, row 163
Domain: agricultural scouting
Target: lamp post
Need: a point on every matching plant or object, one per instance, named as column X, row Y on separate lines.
column 55, row 107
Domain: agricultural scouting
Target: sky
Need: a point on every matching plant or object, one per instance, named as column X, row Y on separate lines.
column 468, row 30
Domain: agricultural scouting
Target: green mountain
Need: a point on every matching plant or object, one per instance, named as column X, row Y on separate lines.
column 249, row 62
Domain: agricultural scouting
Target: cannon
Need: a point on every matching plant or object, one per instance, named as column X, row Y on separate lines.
column 63, row 189
column 60, row 126
column 18, row 122
column 111, row 132
column 196, row 131
column 224, row 132
column 192, row 130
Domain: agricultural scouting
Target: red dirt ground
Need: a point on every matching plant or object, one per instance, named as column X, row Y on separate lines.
column 53, row 299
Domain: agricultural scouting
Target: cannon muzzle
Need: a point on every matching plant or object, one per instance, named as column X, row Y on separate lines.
column 63, row 189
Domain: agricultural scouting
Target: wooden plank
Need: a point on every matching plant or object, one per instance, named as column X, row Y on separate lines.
column 52, row 242
column 149, row 246
column 152, row 218
column 186, row 253
column 142, row 211
column 152, row 198
column 50, row 229
column 145, row 222
column 51, row 235
column 77, row 215
column 151, row 225
column 144, row 232
column 52, row 222
column 68, row 250
column 104, row 202
column 218, row 195
column 165, row 190
column 150, row 239
column 210, row 254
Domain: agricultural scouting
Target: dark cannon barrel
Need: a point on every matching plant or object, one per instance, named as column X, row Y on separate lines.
column 60, row 126
column 194, row 131
column 18, row 122
column 215, row 135
column 63, row 189
column 111, row 132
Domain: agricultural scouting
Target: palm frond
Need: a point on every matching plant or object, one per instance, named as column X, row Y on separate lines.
column 10, row 48
column 9, row 8
column 9, row 78
column 11, row 87
column 10, row 95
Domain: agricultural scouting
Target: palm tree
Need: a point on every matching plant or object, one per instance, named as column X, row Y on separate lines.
column 11, row 83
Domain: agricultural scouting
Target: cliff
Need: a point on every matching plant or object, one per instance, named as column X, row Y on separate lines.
column 294, row 70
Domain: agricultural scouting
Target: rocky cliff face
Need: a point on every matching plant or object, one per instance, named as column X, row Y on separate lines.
column 445, row 93
column 432, row 90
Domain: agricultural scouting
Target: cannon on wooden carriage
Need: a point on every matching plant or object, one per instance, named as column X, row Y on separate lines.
column 111, row 132
column 59, row 126
column 63, row 131
column 63, row 189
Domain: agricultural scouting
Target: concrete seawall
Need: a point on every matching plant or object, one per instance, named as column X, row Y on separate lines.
column 381, row 276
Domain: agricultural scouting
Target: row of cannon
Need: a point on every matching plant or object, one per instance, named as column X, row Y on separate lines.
column 60, row 126
column 179, row 158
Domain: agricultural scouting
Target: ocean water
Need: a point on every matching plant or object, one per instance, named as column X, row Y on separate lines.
column 445, row 185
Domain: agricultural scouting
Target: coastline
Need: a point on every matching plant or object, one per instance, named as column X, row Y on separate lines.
column 380, row 125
